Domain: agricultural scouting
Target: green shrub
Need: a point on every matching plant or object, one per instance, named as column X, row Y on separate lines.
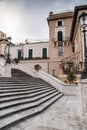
column 16, row 60
column 37, row 67
column 71, row 77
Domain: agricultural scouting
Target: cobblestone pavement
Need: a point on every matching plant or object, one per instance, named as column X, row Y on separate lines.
column 62, row 115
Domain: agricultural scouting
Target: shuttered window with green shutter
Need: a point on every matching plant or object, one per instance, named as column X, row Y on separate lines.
column 30, row 55
column 44, row 53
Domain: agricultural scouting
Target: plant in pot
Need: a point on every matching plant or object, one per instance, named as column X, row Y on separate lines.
column 71, row 77
column 16, row 61
column 37, row 67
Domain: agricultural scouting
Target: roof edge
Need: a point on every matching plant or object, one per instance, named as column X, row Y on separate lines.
column 77, row 8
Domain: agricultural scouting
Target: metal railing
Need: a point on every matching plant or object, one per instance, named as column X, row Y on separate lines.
column 73, row 62
column 73, row 57
column 65, row 38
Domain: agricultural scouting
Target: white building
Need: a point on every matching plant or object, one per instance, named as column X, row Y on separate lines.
column 35, row 50
column 32, row 54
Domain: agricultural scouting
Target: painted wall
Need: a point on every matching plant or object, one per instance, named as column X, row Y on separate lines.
column 55, row 59
column 36, row 47
column 78, row 40
column 53, row 30
column 31, row 63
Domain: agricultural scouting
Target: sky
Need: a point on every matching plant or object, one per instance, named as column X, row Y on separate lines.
column 27, row 19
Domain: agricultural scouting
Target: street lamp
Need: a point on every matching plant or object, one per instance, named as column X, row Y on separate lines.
column 83, row 21
column 8, row 60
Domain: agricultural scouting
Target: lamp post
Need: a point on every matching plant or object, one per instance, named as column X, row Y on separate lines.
column 83, row 21
column 8, row 60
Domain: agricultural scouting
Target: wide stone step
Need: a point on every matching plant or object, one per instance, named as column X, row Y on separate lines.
column 21, row 89
column 23, row 96
column 11, row 83
column 20, row 82
column 19, row 97
column 7, row 78
column 18, row 117
column 26, row 78
column 26, row 100
column 29, row 82
column 21, row 107
column 8, row 81
column 22, row 78
column 17, row 84
column 22, row 93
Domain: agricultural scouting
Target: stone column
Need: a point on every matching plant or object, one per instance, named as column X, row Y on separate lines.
column 83, row 99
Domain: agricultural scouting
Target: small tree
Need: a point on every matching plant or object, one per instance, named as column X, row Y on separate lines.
column 71, row 77
column 37, row 67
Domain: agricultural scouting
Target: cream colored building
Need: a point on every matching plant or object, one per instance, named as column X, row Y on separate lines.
column 33, row 50
column 76, row 60
column 60, row 46
column 77, row 37
column 32, row 53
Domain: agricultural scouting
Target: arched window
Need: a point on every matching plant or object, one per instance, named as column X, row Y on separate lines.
column 60, row 36
column 59, row 23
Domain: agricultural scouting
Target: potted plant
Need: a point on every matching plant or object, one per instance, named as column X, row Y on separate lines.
column 16, row 60
column 37, row 67
column 71, row 77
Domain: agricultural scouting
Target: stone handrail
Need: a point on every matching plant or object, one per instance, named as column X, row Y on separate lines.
column 25, row 69
column 67, row 89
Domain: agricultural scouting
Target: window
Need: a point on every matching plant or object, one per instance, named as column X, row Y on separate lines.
column 30, row 55
column 73, row 48
column 60, row 50
column 20, row 56
column 60, row 36
column 44, row 53
column 59, row 23
column 2, row 35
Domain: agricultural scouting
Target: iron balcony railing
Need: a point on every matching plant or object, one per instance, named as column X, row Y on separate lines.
column 74, row 62
column 73, row 57
column 65, row 38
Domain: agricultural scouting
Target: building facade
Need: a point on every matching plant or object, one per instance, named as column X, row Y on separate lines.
column 63, row 52
column 77, row 36
column 60, row 46
column 32, row 53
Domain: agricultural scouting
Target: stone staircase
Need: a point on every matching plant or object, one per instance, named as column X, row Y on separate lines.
column 22, row 97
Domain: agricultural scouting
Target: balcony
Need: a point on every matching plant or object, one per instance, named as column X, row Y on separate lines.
column 64, row 41
column 65, row 38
